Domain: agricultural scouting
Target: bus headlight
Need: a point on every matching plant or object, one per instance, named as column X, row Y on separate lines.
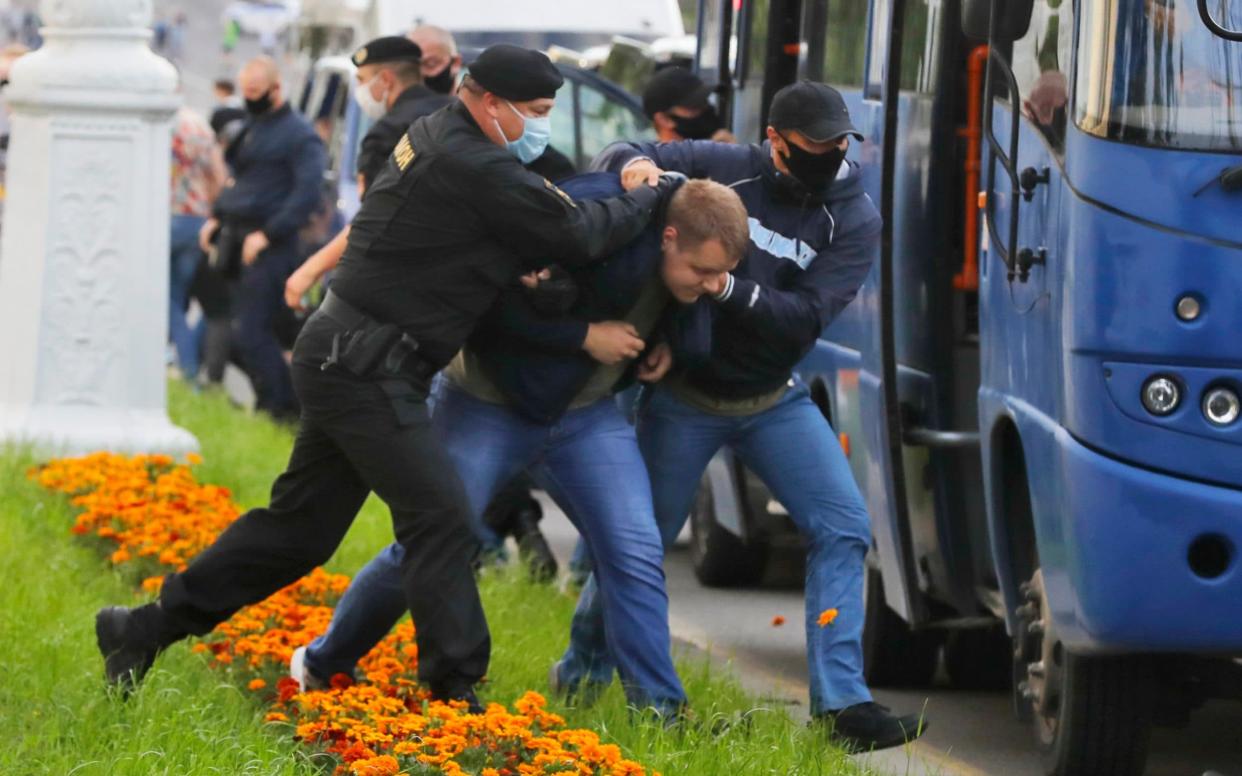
column 1221, row 406
column 1161, row 395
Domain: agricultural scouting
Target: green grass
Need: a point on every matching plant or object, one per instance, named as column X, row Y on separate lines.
column 186, row 719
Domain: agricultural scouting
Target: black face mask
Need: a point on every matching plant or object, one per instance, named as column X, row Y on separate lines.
column 442, row 81
column 814, row 171
column 260, row 105
column 701, row 127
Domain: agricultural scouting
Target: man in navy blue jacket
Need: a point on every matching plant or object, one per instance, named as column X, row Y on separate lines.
column 813, row 232
column 278, row 163
column 533, row 388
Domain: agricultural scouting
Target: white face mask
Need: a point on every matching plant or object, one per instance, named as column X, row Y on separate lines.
column 374, row 109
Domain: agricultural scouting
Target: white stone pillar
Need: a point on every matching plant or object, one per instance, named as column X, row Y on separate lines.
column 84, row 258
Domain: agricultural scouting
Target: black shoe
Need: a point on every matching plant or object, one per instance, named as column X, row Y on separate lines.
column 534, row 551
column 461, row 694
column 866, row 727
column 583, row 693
column 128, row 644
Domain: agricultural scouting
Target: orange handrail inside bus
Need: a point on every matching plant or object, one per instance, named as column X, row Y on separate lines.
column 968, row 278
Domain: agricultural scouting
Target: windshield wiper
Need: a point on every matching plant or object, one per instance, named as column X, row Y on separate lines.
column 1230, row 179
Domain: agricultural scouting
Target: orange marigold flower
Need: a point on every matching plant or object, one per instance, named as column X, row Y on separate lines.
column 193, row 459
column 151, row 509
column 341, row 681
column 827, row 617
column 384, row 765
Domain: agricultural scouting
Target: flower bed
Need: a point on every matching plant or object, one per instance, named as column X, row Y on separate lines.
column 150, row 515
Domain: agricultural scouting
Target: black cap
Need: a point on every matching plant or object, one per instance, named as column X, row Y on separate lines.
column 671, row 87
column 814, row 109
column 516, row 73
column 390, row 48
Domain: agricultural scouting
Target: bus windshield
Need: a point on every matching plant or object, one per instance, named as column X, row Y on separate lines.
column 1150, row 72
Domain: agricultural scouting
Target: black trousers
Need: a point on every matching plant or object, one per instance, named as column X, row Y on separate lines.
column 356, row 436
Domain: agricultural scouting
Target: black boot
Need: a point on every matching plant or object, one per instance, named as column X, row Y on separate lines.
column 130, row 639
column 514, row 512
column 533, row 548
column 866, row 727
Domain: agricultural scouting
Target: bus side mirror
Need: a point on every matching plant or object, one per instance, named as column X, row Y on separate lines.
column 1015, row 17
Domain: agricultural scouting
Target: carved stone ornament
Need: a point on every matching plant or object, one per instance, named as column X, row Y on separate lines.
column 97, row 13
column 85, row 240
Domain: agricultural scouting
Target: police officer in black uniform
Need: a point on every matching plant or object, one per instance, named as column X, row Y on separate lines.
column 390, row 90
column 451, row 219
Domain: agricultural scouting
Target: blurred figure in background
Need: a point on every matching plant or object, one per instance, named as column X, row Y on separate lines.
column 198, row 174
column 441, row 61
column 7, row 57
column 278, row 163
column 676, row 102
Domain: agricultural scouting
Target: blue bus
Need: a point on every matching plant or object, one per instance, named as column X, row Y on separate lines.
column 1038, row 386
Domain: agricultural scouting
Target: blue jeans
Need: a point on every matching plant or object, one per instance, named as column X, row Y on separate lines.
column 589, row 462
column 795, row 452
column 185, row 258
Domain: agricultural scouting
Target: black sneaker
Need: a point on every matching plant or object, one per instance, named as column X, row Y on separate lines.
column 461, row 694
column 127, row 643
column 866, row 727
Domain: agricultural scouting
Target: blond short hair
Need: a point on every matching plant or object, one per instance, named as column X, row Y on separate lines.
column 704, row 210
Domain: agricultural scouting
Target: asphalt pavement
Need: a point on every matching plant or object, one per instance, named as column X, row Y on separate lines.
column 970, row 733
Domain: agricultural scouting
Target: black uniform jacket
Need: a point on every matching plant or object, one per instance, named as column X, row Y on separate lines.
column 410, row 106
column 453, row 218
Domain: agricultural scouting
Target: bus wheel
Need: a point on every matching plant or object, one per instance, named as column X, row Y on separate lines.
column 979, row 658
column 1092, row 715
column 893, row 654
column 721, row 559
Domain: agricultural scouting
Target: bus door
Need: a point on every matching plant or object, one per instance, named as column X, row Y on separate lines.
column 879, row 400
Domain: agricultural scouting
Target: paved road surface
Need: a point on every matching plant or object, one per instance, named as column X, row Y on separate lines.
column 970, row 734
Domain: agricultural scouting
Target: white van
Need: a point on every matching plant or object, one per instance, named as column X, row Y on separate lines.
column 538, row 24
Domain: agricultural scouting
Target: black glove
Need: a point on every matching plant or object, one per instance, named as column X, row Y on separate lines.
column 556, row 295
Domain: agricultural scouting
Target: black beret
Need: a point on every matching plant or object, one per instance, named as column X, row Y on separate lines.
column 516, row 73
column 390, row 48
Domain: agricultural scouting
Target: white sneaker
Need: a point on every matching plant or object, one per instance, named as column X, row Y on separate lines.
column 301, row 674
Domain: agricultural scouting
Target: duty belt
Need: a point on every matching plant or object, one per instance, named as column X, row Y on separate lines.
column 368, row 348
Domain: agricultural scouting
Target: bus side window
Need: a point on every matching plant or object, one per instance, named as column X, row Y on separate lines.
column 1041, row 65
column 920, row 45
column 877, row 52
column 845, row 44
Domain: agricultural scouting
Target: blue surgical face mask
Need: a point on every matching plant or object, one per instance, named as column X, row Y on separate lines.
column 534, row 140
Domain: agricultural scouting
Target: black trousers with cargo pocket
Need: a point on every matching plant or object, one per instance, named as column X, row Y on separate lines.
column 356, row 436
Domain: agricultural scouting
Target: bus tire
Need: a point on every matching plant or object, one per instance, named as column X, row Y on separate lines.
column 979, row 658
column 893, row 654
column 721, row 559
column 1092, row 714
